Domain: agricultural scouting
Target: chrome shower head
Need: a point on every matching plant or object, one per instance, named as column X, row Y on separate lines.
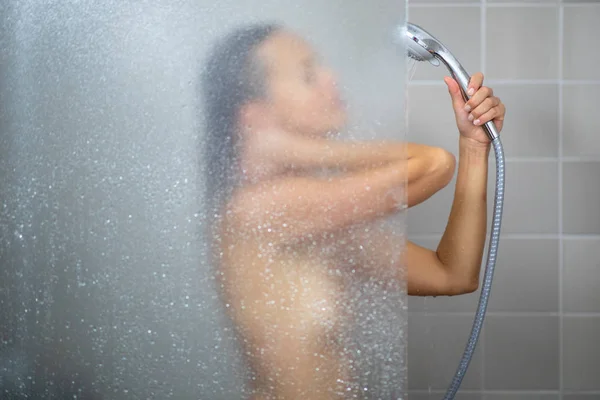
column 422, row 46
column 416, row 47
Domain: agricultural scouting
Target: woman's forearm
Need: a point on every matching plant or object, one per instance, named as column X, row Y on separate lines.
column 461, row 246
column 310, row 153
column 436, row 165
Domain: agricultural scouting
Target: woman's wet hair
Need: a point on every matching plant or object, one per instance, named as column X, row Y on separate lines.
column 233, row 76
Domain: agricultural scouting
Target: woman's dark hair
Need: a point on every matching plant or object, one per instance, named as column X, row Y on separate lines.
column 233, row 76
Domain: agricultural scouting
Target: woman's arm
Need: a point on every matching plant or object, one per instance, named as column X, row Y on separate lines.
column 291, row 208
column 459, row 253
column 437, row 165
column 455, row 267
column 305, row 153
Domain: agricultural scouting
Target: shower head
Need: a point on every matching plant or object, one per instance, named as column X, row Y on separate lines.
column 415, row 45
column 422, row 46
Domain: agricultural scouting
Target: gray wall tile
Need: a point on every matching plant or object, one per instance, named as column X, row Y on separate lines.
column 581, row 282
column 509, row 55
column 581, row 353
column 581, row 128
column 531, row 125
column 431, row 118
column 435, row 346
column 581, row 197
column 521, row 353
column 526, row 276
column 581, row 24
column 531, row 198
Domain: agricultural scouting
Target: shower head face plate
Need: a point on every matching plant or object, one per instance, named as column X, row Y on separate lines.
column 416, row 45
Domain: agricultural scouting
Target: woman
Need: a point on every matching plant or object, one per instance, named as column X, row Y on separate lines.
column 275, row 221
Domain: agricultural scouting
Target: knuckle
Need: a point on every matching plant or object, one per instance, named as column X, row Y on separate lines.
column 484, row 107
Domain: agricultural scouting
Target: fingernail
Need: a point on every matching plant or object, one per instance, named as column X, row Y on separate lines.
column 467, row 108
column 476, row 122
column 471, row 117
column 471, row 92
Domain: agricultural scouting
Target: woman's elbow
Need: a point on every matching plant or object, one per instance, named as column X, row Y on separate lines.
column 444, row 166
column 462, row 286
column 439, row 166
column 470, row 287
column 455, row 283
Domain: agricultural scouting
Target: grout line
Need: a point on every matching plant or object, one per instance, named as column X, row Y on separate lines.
column 432, row 4
column 522, row 5
column 519, row 236
column 579, row 81
column 562, row 159
column 531, row 159
column 441, row 5
column 534, row 393
column 510, row 82
column 516, row 314
column 512, row 314
column 580, row 5
column 504, row 314
column 580, row 236
column 498, row 392
column 581, row 314
column 561, row 267
column 516, row 4
column 582, row 159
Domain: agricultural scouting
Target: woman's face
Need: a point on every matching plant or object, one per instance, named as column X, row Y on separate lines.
column 303, row 95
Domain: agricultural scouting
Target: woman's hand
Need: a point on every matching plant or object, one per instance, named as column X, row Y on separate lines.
column 482, row 107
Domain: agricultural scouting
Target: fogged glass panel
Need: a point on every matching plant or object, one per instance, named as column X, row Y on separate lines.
column 201, row 199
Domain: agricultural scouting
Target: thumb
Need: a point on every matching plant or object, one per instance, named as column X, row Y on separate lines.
column 457, row 100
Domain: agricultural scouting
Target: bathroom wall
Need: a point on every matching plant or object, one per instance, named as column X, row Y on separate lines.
column 540, row 339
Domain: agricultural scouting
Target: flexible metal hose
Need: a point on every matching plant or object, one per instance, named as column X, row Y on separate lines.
column 489, row 273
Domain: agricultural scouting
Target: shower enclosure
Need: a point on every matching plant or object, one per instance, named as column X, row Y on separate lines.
column 106, row 291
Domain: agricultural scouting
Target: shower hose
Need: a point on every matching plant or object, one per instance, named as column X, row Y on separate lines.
column 489, row 273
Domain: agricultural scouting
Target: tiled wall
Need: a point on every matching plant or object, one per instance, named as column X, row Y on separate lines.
column 541, row 338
